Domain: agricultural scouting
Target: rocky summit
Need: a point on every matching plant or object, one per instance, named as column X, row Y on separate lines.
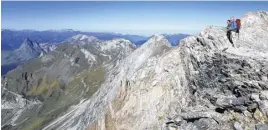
column 27, row 51
column 203, row 84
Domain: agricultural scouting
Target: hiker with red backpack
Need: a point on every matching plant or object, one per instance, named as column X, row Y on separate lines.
column 233, row 25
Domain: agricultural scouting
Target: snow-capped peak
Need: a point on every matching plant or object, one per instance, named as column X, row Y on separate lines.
column 121, row 40
column 81, row 39
column 84, row 37
column 117, row 42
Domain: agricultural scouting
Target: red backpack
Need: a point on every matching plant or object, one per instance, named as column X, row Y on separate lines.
column 238, row 22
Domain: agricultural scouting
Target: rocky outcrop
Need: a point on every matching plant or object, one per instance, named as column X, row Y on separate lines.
column 47, row 47
column 204, row 83
column 226, row 80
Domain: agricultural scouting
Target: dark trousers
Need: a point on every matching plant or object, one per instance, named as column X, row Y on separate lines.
column 229, row 37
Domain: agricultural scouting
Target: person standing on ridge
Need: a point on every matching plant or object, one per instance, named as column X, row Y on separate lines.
column 231, row 26
column 228, row 24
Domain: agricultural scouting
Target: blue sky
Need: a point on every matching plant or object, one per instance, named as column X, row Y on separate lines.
column 143, row 18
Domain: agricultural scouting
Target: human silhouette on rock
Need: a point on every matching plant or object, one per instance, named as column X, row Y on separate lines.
column 232, row 26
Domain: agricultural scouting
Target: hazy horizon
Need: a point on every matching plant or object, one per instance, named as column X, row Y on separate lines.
column 138, row 18
column 96, row 31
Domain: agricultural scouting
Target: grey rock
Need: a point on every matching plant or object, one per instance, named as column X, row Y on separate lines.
column 238, row 126
column 178, row 120
column 192, row 116
column 264, row 95
column 263, row 105
column 206, row 124
column 171, row 126
column 255, row 97
column 261, row 127
column 233, row 103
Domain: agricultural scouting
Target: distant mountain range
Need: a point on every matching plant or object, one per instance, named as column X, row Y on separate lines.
column 12, row 39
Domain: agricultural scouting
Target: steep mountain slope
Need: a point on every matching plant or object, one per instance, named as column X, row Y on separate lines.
column 47, row 47
column 155, row 46
column 204, row 83
column 37, row 92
